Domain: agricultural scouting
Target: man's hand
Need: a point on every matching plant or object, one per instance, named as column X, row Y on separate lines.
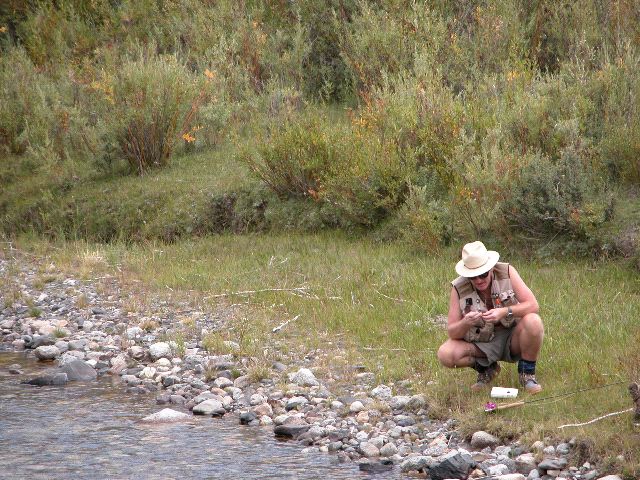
column 473, row 319
column 494, row 315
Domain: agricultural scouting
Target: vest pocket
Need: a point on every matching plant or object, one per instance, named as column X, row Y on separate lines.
column 508, row 298
column 480, row 334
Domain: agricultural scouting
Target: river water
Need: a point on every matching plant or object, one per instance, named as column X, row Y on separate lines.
column 92, row 430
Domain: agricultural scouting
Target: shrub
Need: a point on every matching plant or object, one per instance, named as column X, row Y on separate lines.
column 424, row 221
column 294, row 157
column 27, row 98
column 375, row 44
column 154, row 100
column 368, row 178
column 566, row 197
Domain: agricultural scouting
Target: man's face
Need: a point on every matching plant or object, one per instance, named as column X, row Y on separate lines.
column 482, row 283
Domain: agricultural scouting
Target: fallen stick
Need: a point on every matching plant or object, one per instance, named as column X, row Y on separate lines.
column 248, row 292
column 596, row 419
column 279, row 327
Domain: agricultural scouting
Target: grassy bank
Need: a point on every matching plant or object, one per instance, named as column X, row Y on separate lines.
column 387, row 306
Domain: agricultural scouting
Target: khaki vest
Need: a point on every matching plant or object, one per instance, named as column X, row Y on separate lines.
column 502, row 295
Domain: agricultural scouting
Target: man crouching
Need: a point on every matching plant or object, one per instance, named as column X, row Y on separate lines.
column 493, row 316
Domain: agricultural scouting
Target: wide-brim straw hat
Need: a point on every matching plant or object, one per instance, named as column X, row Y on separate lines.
column 476, row 260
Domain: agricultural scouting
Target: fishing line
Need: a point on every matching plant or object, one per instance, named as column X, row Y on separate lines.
column 490, row 406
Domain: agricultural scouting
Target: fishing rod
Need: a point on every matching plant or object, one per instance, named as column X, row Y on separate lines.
column 492, row 406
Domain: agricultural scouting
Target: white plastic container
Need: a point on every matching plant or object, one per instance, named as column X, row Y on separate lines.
column 502, row 392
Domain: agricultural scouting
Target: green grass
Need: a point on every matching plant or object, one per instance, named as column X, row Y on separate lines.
column 386, row 304
column 164, row 204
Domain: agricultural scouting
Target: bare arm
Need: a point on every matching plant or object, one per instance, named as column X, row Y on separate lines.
column 457, row 324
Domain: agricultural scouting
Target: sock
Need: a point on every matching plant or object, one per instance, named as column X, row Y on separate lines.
column 479, row 368
column 527, row 366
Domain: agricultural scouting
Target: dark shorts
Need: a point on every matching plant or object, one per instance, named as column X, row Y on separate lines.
column 498, row 348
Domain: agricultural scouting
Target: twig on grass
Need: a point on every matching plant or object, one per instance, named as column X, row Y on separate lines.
column 390, row 298
column 249, row 292
column 279, row 327
column 596, row 419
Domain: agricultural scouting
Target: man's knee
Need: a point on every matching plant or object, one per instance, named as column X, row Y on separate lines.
column 445, row 355
column 532, row 323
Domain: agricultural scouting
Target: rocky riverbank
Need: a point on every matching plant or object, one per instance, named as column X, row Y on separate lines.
column 86, row 329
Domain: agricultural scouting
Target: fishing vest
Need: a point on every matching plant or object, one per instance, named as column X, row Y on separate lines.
column 502, row 295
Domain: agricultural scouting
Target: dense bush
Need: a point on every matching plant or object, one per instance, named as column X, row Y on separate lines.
column 563, row 197
column 456, row 119
column 154, row 101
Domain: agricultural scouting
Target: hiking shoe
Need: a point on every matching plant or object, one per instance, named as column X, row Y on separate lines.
column 486, row 377
column 529, row 383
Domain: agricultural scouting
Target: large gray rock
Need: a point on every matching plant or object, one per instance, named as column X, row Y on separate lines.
column 417, row 402
column 160, row 350
column 209, row 407
column 418, row 462
column 525, row 463
column 481, row 440
column 399, row 402
column 304, row 377
column 46, row 352
column 79, row 370
column 57, row 378
column 42, row 340
column 167, row 415
column 388, row 450
column 454, row 464
column 369, row 449
column 290, row 430
column 553, row 464
column 382, row 392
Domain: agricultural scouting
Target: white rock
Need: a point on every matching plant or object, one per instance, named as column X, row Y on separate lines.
column 46, row 352
column 163, row 362
column 537, row 446
column 382, row 392
column 134, row 332
column 294, row 402
column 46, row 329
column 610, row 477
column 209, row 407
column 369, row 450
column 511, row 476
column 388, row 450
column 481, row 440
column 304, row 377
column 147, row 372
column 399, row 402
column 356, row 407
column 265, row 420
column 160, row 350
column 525, row 463
column 222, row 382
column 167, row 415
column 498, row 470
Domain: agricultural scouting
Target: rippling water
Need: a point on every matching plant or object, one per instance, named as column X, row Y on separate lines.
column 92, row 430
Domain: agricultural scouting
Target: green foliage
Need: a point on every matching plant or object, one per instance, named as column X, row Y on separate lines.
column 153, row 104
column 564, row 197
column 474, row 93
column 292, row 160
column 369, row 178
